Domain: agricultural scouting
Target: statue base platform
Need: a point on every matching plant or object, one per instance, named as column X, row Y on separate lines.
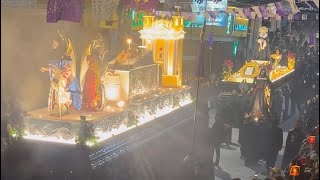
column 109, row 122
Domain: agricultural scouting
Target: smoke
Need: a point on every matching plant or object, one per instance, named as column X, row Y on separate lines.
column 26, row 41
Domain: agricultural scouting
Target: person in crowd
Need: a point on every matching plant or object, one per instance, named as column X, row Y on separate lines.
column 229, row 120
column 278, row 105
column 301, row 37
column 287, row 102
column 274, row 144
column 294, row 44
column 243, row 139
column 293, row 143
column 294, row 96
column 218, row 136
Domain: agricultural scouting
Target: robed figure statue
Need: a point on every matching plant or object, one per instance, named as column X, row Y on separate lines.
column 261, row 98
column 262, row 49
column 90, row 75
column 64, row 87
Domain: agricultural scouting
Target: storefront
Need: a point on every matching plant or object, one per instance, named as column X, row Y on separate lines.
column 227, row 40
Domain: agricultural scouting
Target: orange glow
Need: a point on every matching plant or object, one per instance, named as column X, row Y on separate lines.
column 295, row 170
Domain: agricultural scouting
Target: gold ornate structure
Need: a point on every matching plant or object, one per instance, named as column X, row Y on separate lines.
column 165, row 39
column 249, row 70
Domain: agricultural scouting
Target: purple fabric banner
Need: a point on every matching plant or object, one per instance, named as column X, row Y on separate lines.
column 247, row 13
column 311, row 38
column 286, row 8
column 279, row 9
column 264, row 11
column 70, row 10
column 296, row 17
column 210, row 40
column 147, row 5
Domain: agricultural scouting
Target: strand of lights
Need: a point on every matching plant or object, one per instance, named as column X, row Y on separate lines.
column 146, row 117
column 49, row 139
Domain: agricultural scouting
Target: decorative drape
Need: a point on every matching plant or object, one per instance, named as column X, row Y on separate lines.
column 147, row 5
column 67, row 10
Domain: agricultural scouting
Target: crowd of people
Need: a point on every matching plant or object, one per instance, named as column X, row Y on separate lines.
column 296, row 100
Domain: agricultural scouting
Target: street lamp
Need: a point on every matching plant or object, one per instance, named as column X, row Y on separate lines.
column 129, row 42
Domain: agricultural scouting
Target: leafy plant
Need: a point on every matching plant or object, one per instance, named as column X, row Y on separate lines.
column 87, row 135
column 133, row 121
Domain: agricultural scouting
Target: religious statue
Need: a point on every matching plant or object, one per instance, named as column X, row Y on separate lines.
column 262, row 49
column 64, row 87
column 277, row 58
column 90, row 75
column 261, row 98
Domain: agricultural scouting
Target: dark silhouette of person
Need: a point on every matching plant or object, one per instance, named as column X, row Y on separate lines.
column 218, row 136
column 293, row 144
column 275, row 143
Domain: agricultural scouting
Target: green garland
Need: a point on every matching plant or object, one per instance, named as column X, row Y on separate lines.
column 86, row 135
column 133, row 121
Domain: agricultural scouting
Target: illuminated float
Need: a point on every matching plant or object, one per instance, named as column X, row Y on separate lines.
column 132, row 91
column 278, row 74
column 248, row 76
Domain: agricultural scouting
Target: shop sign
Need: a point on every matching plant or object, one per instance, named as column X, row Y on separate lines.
column 229, row 23
column 240, row 27
column 136, row 20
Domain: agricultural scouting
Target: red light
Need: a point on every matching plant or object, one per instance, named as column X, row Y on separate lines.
column 303, row 160
column 311, row 139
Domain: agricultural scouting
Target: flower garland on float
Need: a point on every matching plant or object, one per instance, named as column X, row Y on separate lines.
column 227, row 69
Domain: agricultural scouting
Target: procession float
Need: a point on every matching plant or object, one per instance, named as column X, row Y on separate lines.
column 278, row 74
column 258, row 78
column 248, row 77
column 110, row 97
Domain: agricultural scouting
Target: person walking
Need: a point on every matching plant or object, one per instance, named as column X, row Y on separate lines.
column 218, row 136
column 274, row 144
column 293, row 144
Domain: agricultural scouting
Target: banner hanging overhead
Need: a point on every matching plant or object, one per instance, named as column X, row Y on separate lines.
column 216, row 8
column 71, row 10
column 147, row 5
column 307, row 6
